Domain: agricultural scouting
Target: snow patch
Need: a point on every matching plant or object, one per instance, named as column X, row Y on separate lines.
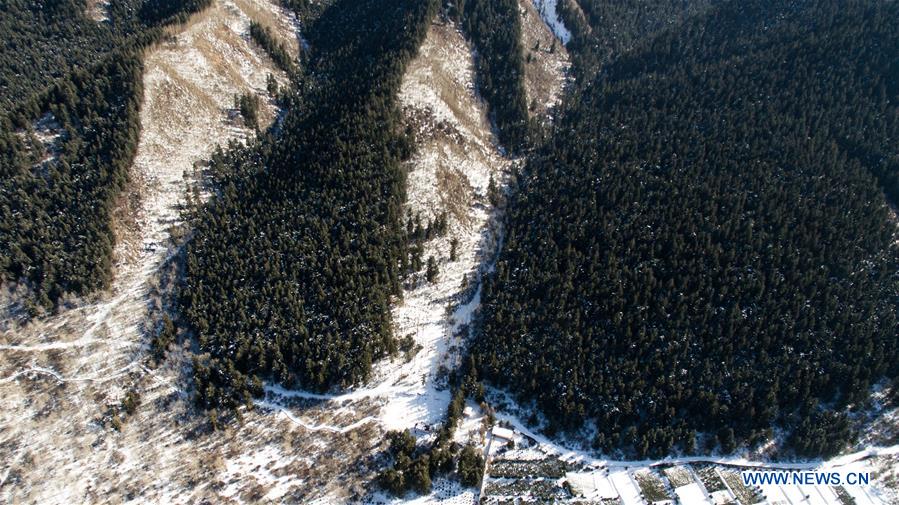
column 98, row 10
column 550, row 15
column 691, row 493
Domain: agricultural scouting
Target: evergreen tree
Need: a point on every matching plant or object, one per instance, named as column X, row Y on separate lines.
column 454, row 247
column 471, row 466
column 433, row 270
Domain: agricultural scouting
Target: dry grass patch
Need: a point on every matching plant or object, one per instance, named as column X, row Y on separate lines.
column 97, row 10
column 282, row 27
column 125, row 221
column 215, row 49
column 175, row 92
column 454, row 191
column 546, row 61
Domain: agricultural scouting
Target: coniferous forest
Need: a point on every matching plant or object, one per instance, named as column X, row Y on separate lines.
column 44, row 41
column 494, row 28
column 703, row 246
column 603, row 30
column 293, row 266
column 83, row 80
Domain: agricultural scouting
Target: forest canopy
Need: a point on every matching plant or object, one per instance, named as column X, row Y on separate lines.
column 494, row 27
column 703, row 245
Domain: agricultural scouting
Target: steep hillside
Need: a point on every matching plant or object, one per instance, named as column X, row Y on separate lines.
column 494, row 29
column 45, row 42
column 190, row 84
column 89, row 373
column 604, row 30
column 293, row 264
column 455, row 159
column 56, row 234
column 452, row 218
column 479, row 251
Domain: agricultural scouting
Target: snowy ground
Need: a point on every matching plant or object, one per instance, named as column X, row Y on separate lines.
column 450, row 171
column 547, row 10
column 63, row 378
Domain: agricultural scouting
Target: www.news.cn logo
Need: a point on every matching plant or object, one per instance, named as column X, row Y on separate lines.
column 804, row 478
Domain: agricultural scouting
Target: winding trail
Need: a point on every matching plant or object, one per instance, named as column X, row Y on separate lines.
column 37, row 370
column 312, row 427
column 578, row 455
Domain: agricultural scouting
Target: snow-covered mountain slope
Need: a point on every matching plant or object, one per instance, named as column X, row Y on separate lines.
column 63, row 377
column 65, row 433
column 450, row 172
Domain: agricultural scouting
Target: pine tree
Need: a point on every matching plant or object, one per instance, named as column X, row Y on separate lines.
column 433, row 270
column 471, row 466
column 493, row 193
column 454, row 246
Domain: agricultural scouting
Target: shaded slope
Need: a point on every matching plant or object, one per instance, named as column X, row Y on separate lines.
column 293, row 264
column 717, row 257
column 56, row 234
column 494, row 28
